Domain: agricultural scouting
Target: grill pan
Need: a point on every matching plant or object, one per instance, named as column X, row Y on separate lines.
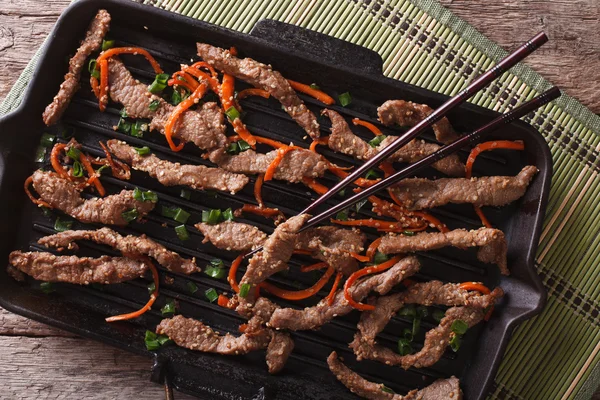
column 305, row 56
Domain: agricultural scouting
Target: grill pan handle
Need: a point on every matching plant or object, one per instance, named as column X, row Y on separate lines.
column 319, row 46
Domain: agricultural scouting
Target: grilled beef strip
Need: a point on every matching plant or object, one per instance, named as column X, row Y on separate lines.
column 78, row 270
column 203, row 127
column 318, row 315
column 128, row 245
column 343, row 140
column 491, row 243
column 92, row 42
column 418, row 193
column 295, row 165
column 61, row 194
column 278, row 351
column 407, row 113
column 442, row 389
column 264, row 77
column 169, row 173
column 232, row 236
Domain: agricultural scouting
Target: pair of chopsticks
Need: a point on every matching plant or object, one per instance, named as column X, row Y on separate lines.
column 472, row 138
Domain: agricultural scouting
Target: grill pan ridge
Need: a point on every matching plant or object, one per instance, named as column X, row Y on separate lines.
column 305, row 56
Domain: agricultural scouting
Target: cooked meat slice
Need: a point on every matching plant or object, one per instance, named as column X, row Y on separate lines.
column 128, row 245
column 333, row 245
column 295, row 165
column 264, row 77
column 92, row 42
column 63, row 195
column 194, row 335
column 442, row 389
column 316, row 316
column 418, row 193
column 491, row 242
column 343, row 140
column 170, row 174
column 279, row 349
column 15, row 273
column 232, row 236
column 78, row 270
column 407, row 113
column 203, row 127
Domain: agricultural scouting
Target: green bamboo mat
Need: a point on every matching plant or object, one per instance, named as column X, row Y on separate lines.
column 557, row 354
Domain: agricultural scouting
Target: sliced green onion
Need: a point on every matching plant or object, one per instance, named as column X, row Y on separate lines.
column 238, row 147
column 380, row 258
column 163, row 339
column 73, row 153
column 422, row 311
column 185, row 194
column 211, row 217
column 151, row 341
column 438, row 315
column 459, row 327
column 77, row 169
column 40, row 154
column 345, row 99
column 232, row 113
column 211, row 294
column 124, row 126
column 407, row 334
column 342, row 215
column 376, row 141
column 153, row 106
column 191, row 287
column 409, row 233
column 181, row 216
column 243, row 145
column 107, row 44
column 371, row 174
column 141, row 195
column 46, row 287
column 182, row 232
column 360, row 204
column 244, row 289
column 142, row 151
column 139, row 128
column 159, row 84
column 130, row 215
column 227, row 215
column 47, row 140
column 169, row 308
column 455, row 343
column 408, row 311
column 168, row 212
column 342, row 192
column 46, row 211
column 215, row 272
column 177, row 97
column 314, row 86
column 416, row 326
column 102, row 168
column 92, row 69
column 123, row 113
column 404, row 347
column 61, row 225
column 217, row 263
column 151, row 288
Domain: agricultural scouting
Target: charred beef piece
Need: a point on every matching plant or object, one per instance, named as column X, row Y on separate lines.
column 170, row 174
column 418, row 193
column 295, row 165
column 203, row 127
column 491, row 242
column 128, row 245
column 407, row 113
column 264, row 77
column 61, row 194
column 232, row 236
column 279, row 350
column 442, row 389
column 78, row 270
column 317, row 316
column 343, row 140
column 92, row 42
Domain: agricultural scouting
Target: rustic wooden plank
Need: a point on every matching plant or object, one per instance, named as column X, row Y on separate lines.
column 16, row 325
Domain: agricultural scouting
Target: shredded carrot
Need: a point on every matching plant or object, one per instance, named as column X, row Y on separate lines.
column 380, row 225
column 85, row 161
column 299, row 294
column 105, row 55
column 189, row 86
column 54, row 160
column 315, row 186
column 227, row 89
column 253, row 92
column 180, row 109
column 240, row 128
column 359, row 257
column 270, row 172
column 119, row 169
column 359, row 274
column 313, row 267
column 148, row 305
column 213, row 82
column 258, row 190
column 372, row 249
column 262, row 211
column 223, row 301
column 387, row 169
column 482, row 217
column 331, row 296
column 232, row 271
column 475, row 286
column 38, row 202
column 439, row 225
column 323, row 140
column 316, row 93
column 375, row 130
column 95, row 86
column 103, row 93
column 204, row 64
column 362, row 182
column 270, row 142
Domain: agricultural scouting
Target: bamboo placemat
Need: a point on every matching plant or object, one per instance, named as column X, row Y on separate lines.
column 557, row 354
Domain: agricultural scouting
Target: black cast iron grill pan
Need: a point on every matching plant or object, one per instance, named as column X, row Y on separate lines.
column 301, row 55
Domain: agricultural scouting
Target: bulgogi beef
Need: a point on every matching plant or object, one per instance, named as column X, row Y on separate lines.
column 442, row 389
column 418, row 193
column 203, row 127
column 295, row 165
column 407, row 113
column 61, row 194
column 343, row 140
column 278, row 351
column 263, row 77
column 491, row 241
column 169, row 173
column 128, row 245
column 318, row 315
column 92, row 42
column 232, row 236
column 78, row 270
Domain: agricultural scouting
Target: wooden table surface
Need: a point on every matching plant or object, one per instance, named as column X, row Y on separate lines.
column 43, row 362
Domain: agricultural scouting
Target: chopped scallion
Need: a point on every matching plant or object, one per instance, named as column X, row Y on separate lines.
column 237, row 147
column 177, row 97
column 416, row 326
column 163, row 339
column 244, row 289
column 211, row 294
column 408, row 311
column 232, row 113
column 154, row 341
column 142, row 151
column 185, row 194
column 371, row 174
column 437, row 315
column 61, row 225
column 77, row 169
column 181, row 216
column 40, row 154
column 168, row 212
column 47, row 140
column 409, row 233
column 211, row 217
column 404, row 347
column 379, row 258
column 46, row 287
column 92, row 69
column 182, row 232
column 459, row 327
column 102, row 168
column 151, row 288
column 314, row 86
column 376, row 141
column 73, row 153
column 169, row 308
column 455, row 343
column 124, row 126
column 422, row 311
column 215, row 272
column 407, row 334
column 130, row 215
column 360, row 204
column 342, row 192
column 227, row 215
column 139, row 128
column 141, row 195
column 342, row 215
column 217, row 263
column 191, row 287
column 345, row 99
column 153, row 106
column 123, row 113
column 107, row 44
column 386, row 389
column 159, row 84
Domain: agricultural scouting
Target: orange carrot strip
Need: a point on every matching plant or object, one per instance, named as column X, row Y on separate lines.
column 232, row 271
column 227, row 89
column 223, row 301
column 359, row 257
column 258, row 190
column 148, row 305
column 359, row 274
column 313, row 267
column 85, row 161
column 333, row 290
column 213, row 83
column 440, row 226
column 323, row 140
column 482, row 217
column 487, row 146
column 380, row 225
column 299, row 294
column 262, row 211
column 375, row 130
column 270, row 172
column 189, row 86
column 38, row 202
column 362, row 182
column 270, row 142
column 240, row 128
column 317, row 94
column 181, row 107
column 119, row 169
column 372, row 249
column 253, row 92
column 54, row 160
column 103, row 94
column 387, row 169
column 204, row 64
column 475, row 286
column 105, row 55
column 315, row 186
column 95, row 86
